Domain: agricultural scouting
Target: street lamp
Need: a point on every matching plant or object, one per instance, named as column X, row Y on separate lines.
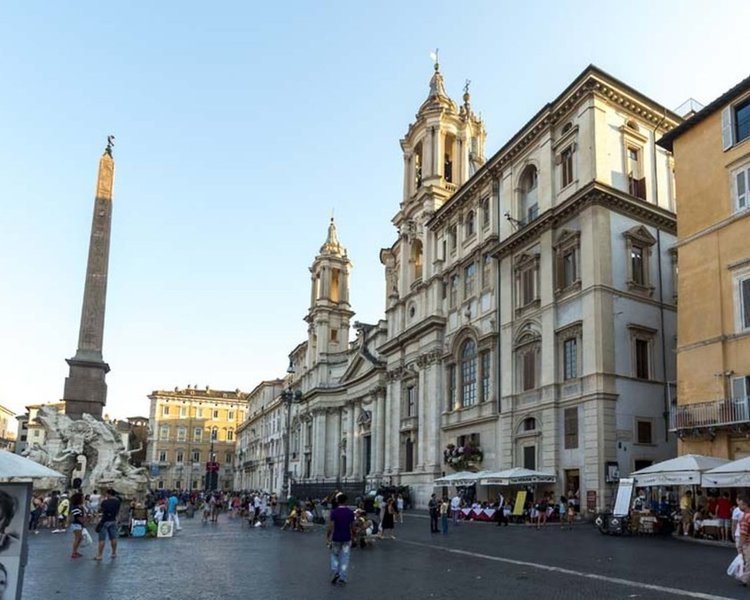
column 289, row 396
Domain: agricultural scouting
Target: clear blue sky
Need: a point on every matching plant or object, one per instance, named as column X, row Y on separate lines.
column 239, row 127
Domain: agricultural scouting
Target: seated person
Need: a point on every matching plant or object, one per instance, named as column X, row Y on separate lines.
column 292, row 521
column 362, row 529
column 698, row 519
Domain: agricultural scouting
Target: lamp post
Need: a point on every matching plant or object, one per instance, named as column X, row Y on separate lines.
column 289, row 396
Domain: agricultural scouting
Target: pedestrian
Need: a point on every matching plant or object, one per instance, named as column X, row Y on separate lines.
column 744, row 542
column 724, row 514
column 76, row 522
column 563, row 511
column 455, row 507
column 400, row 508
column 434, row 509
column 107, row 526
column 444, row 508
column 541, row 512
column 387, row 523
column 501, row 520
column 339, row 539
column 95, row 500
column 173, row 517
column 37, row 508
column 63, row 509
column 51, row 514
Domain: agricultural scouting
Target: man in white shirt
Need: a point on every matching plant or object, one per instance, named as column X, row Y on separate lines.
column 455, row 508
column 736, row 516
column 95, row 500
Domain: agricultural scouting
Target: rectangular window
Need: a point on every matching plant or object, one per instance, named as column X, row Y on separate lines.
column 165, row 411
column 486, row 271
column 164, row 432
column 334, row 335
column 469, row 275
column 180, row 457
column 181, row 434
column 644, row 432
column 199, row 413
column 570, row 359
column 230, row 415
column 642, row 367
column 571, row 428
column 411, row 401
column 567, row 166
column 637, row 265
column 453, row 232
column 230, row 435
column 742, row 121
column 529, row 458
column 162, row 456
column 216, row 415
column 744, row 289
column 486, row 360
column 529, row 370
column 453, row 301
column 196, row 456
column 569, row 268
column 228, row 458
column 742, row 189
column 183, row 411
column 197, row 434
column 741, row 388
column 469, row 381
column 451, row 387
column 485, row 213
column 528, row 277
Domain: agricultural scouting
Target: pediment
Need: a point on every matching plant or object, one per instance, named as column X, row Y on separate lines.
column 639, row 233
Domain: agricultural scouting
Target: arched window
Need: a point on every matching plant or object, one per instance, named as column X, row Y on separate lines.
column 469, row 373
column 528, row 200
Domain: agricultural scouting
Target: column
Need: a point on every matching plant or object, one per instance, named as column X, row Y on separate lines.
column 433, row 400
column 380, row 463
column 336, row 444
column 321, row 439
column 421, row 422
column 376, row 433
column 355, row 442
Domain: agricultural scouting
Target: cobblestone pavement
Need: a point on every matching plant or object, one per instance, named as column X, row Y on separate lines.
column 228, row 561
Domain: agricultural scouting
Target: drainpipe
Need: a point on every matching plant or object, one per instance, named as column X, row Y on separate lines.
column 665, row 390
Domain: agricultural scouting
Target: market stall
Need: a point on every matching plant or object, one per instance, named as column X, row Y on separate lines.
column 683, row 470
column 730, row 474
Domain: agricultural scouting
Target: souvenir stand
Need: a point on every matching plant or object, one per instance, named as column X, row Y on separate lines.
column 16, row 477
column 683, row 471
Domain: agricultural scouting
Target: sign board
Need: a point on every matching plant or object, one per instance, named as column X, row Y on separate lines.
column 624, row 495
column 520, row 502
column 154, row 470
column 14, row 516
column 591, row 500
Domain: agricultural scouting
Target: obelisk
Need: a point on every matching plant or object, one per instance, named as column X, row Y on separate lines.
column 85, row 387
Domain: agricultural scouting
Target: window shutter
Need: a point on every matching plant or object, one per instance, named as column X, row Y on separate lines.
column 745, row 302
column 742, row 185
column 739, row 388
column 726, row 127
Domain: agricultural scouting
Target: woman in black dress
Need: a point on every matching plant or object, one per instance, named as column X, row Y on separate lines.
column 388, row 518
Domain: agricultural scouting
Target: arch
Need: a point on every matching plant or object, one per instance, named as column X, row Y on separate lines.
column 466, row 332
column 529, row 331
column 567, row 127
column 527, row 424
column 470, row 226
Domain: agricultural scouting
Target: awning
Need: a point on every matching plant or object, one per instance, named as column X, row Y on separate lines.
column 14, row 467
column 683, row 470
column 460, row 478
column 731, row 474
column 517, row 476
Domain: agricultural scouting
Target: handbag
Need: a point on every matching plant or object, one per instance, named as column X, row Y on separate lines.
column 86, row 539
column 99, row 526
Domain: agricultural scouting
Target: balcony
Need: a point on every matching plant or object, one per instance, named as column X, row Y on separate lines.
column 726, row 412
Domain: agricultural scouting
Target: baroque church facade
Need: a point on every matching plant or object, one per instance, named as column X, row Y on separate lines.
column 530, row 305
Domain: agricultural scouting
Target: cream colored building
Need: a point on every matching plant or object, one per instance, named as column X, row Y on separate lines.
column 188, row 427
column 8, row 428
column 712, row 167
column 260, row 440
column 530, row 305
column 30, row 431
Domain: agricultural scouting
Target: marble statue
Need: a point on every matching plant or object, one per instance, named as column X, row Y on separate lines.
column 106, row 458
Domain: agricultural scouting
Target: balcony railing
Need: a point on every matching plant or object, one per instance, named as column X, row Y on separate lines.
column 717, row 413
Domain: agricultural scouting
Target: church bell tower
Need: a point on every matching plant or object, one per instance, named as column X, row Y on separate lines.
column 330, row 312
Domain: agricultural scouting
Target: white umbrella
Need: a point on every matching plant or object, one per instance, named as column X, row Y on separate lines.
column 18, row 468
column 731, row 474
column 460, row 478
column 517, row 476
column 683, row 470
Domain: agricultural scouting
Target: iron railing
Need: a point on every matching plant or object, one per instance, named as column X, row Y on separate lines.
column 716, row 413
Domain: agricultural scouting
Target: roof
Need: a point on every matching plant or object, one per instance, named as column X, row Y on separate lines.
column 667, row 140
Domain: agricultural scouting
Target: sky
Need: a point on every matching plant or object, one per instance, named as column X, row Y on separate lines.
column 240, row 128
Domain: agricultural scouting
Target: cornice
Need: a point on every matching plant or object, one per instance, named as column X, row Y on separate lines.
column 431, row 322
column 593, row 194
